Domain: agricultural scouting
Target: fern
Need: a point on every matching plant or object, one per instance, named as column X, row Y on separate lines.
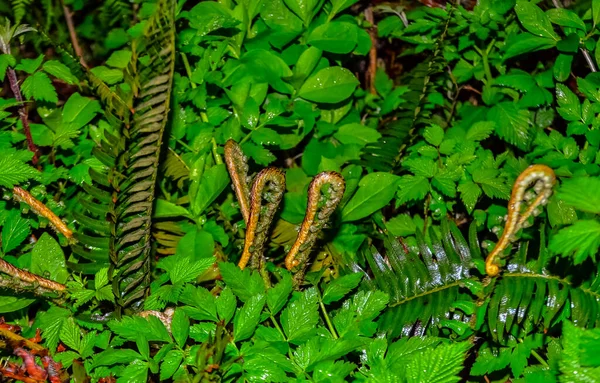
column 122, row 199
column 20, row 9
column 115, row 12
column 428, row 288
column 385, row 154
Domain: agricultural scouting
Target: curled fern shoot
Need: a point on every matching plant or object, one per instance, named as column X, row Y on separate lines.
column 237, row 164
column 543, row 179
column 318, row 211
column 269, row 185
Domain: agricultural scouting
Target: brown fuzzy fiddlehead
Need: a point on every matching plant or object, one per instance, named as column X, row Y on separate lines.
column 317, row 215
column 269, row 185
column 237, row 165
column 543, row 179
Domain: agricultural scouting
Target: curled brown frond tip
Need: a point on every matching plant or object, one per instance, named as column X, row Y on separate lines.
column 543, row 179
column 317, row 215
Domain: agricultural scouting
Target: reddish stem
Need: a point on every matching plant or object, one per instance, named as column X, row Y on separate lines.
column 14, row 86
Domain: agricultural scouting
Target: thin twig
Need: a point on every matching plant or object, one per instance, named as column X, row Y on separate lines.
column 69, row 19
column 23, row 114
column 372, row 70
column 27, row 280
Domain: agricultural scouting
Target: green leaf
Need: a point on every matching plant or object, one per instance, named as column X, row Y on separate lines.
column 596, row 13
column 48, row 259
column 356, row 133
column 469, row 193
column 304, row 9
column 300, row 318
column 492, row 185
column 14, row 230
column 580, row 241
column 39, row 87
column 329, row 85
column 570, row 108
column 581, row 193
column 338, row 288
column 244, row 283
column 375, row 191
column 180, row 327
column 109, row 76
column 167, row 209
column 77, row 113
column 60, row 71
column 170, row 364
column 434, row 134
column 335, row 37
column 70, row 334
column 115, row 356
column 14, row 171
column 10, row 303
column 438, row 365
column 526, row 43
column 534, row 20
column 512, row 124
column 411, row 188
column 401, row 225
column 182, row 268
column 339, row 5
column 119, row 59
column 5, row 62
column 212, row 184
column 278, row 295
column 565, row 18
column 226, row 304
column 306, row 63
column 30, row 65
column 481, row 130
column 248, row 317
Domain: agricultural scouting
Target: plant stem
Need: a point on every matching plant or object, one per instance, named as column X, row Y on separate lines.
column 327, row 320
column 73, row 34
column 188, row 69
column 14, row 86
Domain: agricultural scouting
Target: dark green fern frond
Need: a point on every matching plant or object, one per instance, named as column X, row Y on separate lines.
column 424, row 286
column 130, row 258
column 20, row 9
column 397, row 133
column 115, row 12
column 529, row 296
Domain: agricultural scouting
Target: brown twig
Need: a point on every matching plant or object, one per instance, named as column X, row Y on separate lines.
column 73, row 34
column 23, row 114
column 372, row 70
column 16, row 341
column 40, row 209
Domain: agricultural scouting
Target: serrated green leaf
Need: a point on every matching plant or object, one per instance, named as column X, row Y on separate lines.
column 278, row 295
column 180, row 327
column 248, row 317
column 580, row 240
column 300, row 318
column 14, row 171
column 338, row 288
column 412, row 188
column 119, row 59
column 469, row 193
column 401, row 225
column 434, row 134
column 480, row 130
column 170, row 364
column 581, row 193
column 244, row 283
column 14, row 230
column 39, row 87
column 60, row 71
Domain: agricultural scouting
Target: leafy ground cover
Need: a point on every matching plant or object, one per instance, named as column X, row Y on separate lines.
column 286, row 190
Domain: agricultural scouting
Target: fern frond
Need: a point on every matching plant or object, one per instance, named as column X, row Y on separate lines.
column 20, row 9
column 115, row 12
column 424, row 286
column 385, row 154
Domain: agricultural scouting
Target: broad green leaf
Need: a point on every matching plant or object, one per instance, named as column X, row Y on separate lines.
column 512, row 124
column 335, row 37
column 401, row 225
column 356, row 133
column 211, row 185
column 109, row 76
column 306, row 63
column 565, row 18
column 60, row 71
column 119, row 59
column 197, row 244
column 180, row 327
column 526, row 43
column 278, row 295
column 30, row 65
column 70, row 334
column 10, row 303
column 14, row 230
column 580, row 241
column 339, row 5
column 560, row 213
column 562, row 67
column 492, row 185
column 338, row 288
column 170, row 364
column 434, row 134
column 77, row 113
column 329, row 85
column 469, row 193
column 183, row 268
column 480, row 130
column 300, row 318
column 441, row 364
column 167, row 209
column 375, row 191
column 14, row 171
column 248, row 317
column 244, row 283
column 115, row 356
column 570, row 108
column 48, row 259
column 596, row 13
column 581, row 193
column 534, row 20
column 412, row 188
column 304, row 9
column 39, row 87
column 5, row 62
column 209, row 16
column 226, row 304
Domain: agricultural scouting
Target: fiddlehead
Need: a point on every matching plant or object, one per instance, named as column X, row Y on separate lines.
column 316, row 217
column 237, row 165
column 270, row 186
column 543, row 179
